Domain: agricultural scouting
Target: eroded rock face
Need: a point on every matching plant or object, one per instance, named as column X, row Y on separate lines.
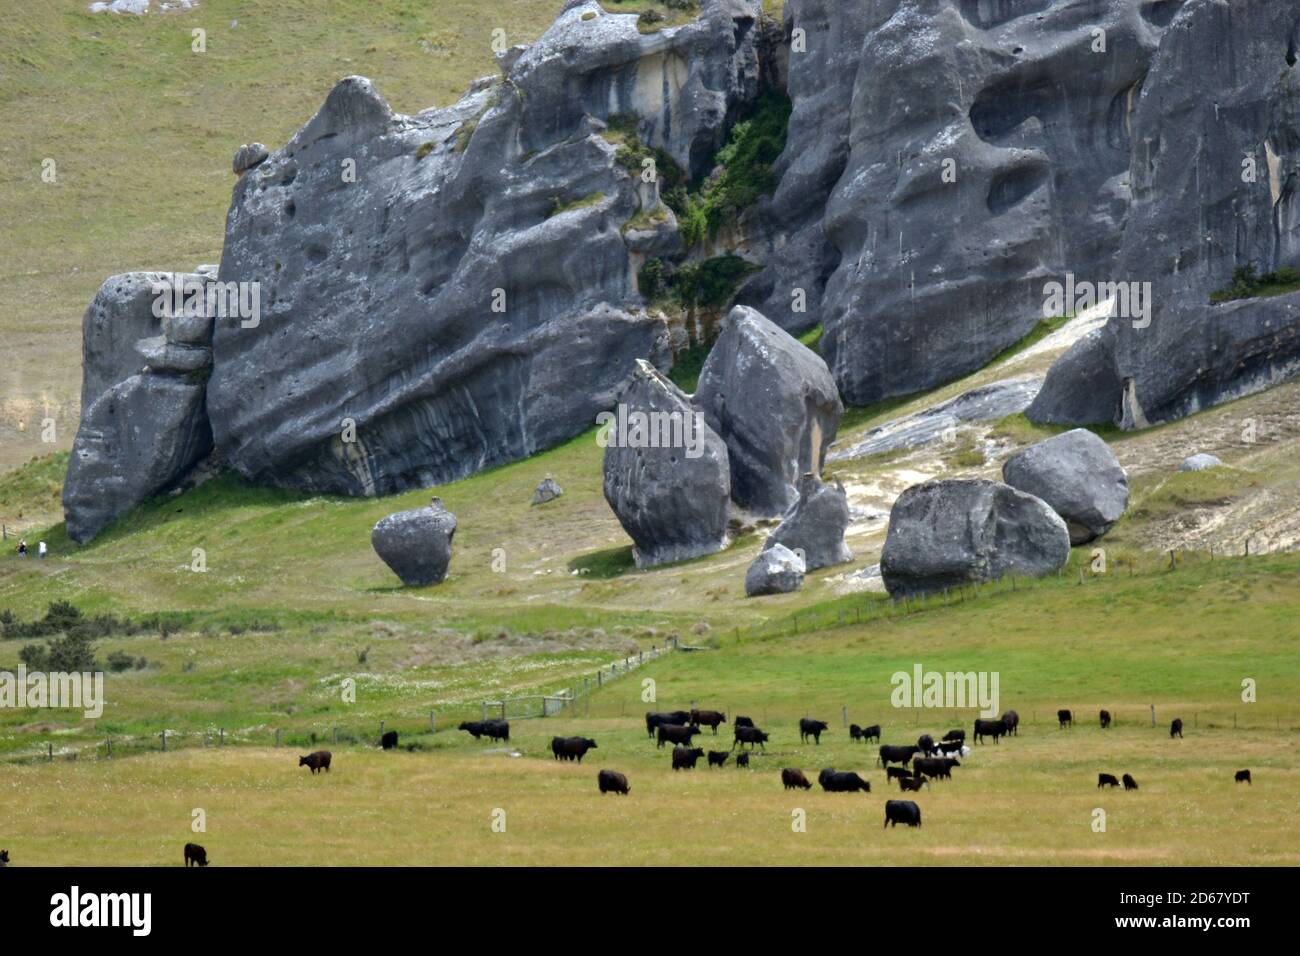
column 416, row 544
column 666, row 474
column 774, row 402
column 776, row 570
column 961, row 531
column 144, row 421
column 467, row 297
column 939, row 273
column 1078, row 475
column 815, row 524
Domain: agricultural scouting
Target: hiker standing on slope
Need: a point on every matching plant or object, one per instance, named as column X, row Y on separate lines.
column 22, row 549
column 40, row 550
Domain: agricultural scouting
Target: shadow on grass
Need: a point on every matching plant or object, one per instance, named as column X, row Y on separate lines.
column 602, row 565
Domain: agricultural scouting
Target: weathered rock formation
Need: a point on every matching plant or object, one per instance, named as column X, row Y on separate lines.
column 416, row 544
column 547, row 490
column 815, row 524
column 776, row 570
column 961, row 531
column 774, row 403
column 1081, row 387
column 1078, row 475
column 667, row 478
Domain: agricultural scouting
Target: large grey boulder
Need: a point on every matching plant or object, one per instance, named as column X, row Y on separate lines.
column 962, row 531
column 776, row 570
column 995, row 158
column 144, row 421
column 815, row 525
column 1081, row 387
column 1078, row 475
column 666, row 475
column 135, row 440
column 416, row 544
column 456, row 284
column 775, row 404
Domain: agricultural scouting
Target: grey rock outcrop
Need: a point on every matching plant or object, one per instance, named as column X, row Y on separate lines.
column 547, row 490
column 815, row 524
column 774, row 403
column 416, row 544
column 961, row 531
column 1200, row 462
column 1078, row 475
column 776, row 570
column 144, row 422
column 456, row 283
column 247, row 157
column 1081, row 387
column 666, row 475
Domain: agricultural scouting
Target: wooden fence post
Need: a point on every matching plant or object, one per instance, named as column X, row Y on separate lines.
column 433, row 722
column 336, row 735
column 277, row 736
column 221, row 740
column 163, row 737
column 110, row 748
column 1153, row 715
column 49, row 752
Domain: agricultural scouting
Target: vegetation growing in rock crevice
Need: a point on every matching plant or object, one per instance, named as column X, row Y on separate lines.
column 1247, row 284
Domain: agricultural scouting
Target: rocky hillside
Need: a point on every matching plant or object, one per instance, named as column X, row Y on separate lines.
column 407, row 299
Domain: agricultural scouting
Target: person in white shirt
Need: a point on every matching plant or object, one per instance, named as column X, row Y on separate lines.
column 40, row 550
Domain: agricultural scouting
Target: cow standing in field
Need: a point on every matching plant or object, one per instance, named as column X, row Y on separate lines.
column 1129, row 782
column 684, row 758
column 611, row 781
column 865, row 734
column 1176, row 728
column 896, row 753
column 496, row 729
column 911, row 783
column 718, row 757
column 897, row 773
column 988, row 728
column 678, row 717
column 1105, row 719
column 676, row 734
column 926, row 744
column 811, row 728
column 389, row 740
column 794, row 779
column 320, row 760
column 1243, row 776
column 902, row 811
column 751, row 736
column 949, row 747
column 4, row 858
column 842, row 781
column 195, row 855
column 744, row 722
column 1065, row 719
column 938, row 767
column 472, row 727
column 571, row 748
column 957, row 735
column 1106, row 780
column 708, row 718
column 742, row 759
column 1012, row 720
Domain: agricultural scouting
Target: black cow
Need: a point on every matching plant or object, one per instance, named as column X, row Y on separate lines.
column 320, row 760
column 496, row 729
column 473, row 727
column 195, row 855
column 897, row 773
column 389, row 740
column 864, row 733
column 842, row 781
column 652, row 721
column 744, row 722
column 684, row 757
column 709, row 718
column 988, row 728
column 1065, row 719
column 718, row 757
column 4, row 858
column 751, row 736
column 1176, row 728
column 571, row 748
column 926, row 743
column 911, row 783
column 1012, row 720
column 1243, row 775
column 742, row 759
column 947, row 747
column 958, row 735
column 935, row 766
column 1106, row 780
column 811, row 728
column 902, row 811
column 611, row 781
column 794, row 779
column 677, row 734
column 1129, row 782
column 1105, row 719
column 896, row 753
